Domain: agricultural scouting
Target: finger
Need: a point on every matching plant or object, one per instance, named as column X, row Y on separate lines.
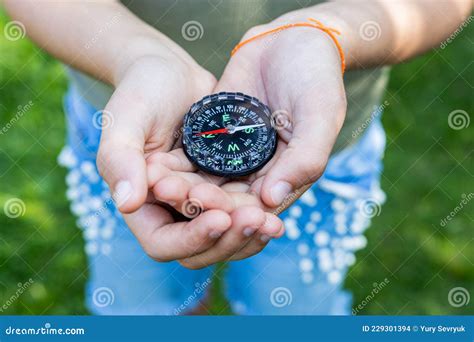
column 120, row 158
column 315, row 128
column 212, row 197
column 172, row 190
column 163, row 164
column 174, row 160
column 272, row 229
column 164, row 240
column 246, row 221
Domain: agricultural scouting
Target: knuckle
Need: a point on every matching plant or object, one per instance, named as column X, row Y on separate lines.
column 160, row 158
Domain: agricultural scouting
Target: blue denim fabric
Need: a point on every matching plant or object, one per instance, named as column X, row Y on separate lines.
column 300, row 274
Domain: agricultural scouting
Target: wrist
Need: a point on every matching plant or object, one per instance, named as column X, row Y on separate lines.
column 298, row 36
column 327, row 14
column 141, row 48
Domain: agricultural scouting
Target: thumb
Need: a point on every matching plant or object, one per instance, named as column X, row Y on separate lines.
column 305, row 157
column 120, row 159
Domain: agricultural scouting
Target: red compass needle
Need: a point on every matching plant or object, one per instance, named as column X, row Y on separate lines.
column 216, row 131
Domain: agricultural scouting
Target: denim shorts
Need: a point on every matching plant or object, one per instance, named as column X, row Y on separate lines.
column 299, row 274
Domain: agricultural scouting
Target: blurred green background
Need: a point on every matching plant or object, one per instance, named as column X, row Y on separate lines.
column 428, row 166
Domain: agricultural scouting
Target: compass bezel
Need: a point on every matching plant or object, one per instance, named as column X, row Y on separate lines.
column 226, row 96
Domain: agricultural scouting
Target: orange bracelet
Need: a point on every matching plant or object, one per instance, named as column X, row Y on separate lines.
column 318, row 25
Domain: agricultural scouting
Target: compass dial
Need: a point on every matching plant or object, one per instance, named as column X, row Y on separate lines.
column 229, row 134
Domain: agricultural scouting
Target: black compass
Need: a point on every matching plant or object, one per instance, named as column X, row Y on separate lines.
column 229, row 134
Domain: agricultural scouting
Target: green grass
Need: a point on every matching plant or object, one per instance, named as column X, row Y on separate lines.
column 428, row 166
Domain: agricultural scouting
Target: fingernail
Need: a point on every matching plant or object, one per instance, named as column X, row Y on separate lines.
column 215, row 235
column 265, row 238
column 249, row 231
column 122, row 192
column 279, row 191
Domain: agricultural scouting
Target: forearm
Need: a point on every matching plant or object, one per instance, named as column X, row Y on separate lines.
column 387, row 31
column 101, row 38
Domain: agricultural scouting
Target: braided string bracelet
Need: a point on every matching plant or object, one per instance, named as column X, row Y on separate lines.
column 313, row 23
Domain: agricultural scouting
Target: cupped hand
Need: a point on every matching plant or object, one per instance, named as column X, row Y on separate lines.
column 175, row 181
column 297, row 72
column 142, row 118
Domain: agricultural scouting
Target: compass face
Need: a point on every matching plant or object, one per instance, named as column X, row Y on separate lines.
column 229, row 134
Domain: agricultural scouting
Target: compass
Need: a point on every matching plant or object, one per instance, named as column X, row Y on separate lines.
column 229, row 134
